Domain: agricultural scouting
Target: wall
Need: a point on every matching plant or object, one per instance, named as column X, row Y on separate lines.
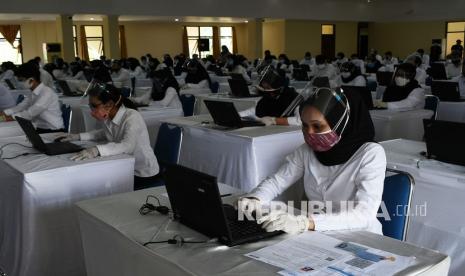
column 34, row 34
column 274, row 36
column 403, row 38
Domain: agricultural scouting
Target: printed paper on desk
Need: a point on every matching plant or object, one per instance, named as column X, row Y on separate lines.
column 313, row 253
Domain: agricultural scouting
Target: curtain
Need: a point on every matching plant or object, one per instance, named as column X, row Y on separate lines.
column 234, row 40
column 83, row 38
column 122, row 39
column 10, row 32
column 185, row 43
column 216, row 42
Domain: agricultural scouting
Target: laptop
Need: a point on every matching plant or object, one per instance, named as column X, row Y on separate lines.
column 10, row 84
column 300, row 74
column 64, row 87
column 55, row 148
column 384, row 78
column 321, row 82
column 240, row 89
column 225, row 114
column 196, row 201
column 444, row 141
column 305, row 67
column 447, row 91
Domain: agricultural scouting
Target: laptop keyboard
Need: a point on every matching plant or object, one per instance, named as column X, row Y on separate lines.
column 244, row 228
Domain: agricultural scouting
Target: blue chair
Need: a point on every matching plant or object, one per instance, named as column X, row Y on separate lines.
column 432, row 103
column 214, row 86
column 66, row 113
column 126, row 92
column 20, row 99
column 188, row 102
column 397, row 195
column 371, row 85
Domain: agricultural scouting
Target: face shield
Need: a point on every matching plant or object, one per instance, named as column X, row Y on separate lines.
column 270, row 80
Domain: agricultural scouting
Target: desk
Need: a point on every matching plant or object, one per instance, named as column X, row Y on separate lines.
column 39, row 231
column 240, row 103
column 10, row 129
column 442, row 187
column 451, row 111
column 195, row 91
column 241, row 158
column 112, row 232
column 390, row 124
column 144, row 82
column 77, row 85
column 16, row 92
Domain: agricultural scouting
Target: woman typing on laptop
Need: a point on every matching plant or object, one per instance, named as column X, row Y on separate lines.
column 277, row 99
column 339, row 163
column 124, row 132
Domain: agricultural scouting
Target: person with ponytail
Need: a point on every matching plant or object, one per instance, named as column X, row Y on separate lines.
column 124, row 132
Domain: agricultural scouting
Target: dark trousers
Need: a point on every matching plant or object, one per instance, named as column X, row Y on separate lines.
column 147, row 182
column 44, row 130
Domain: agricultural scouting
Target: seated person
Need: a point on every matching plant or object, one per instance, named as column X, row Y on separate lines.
column 124, row 132
column 339, row 163
column 77, row 72
column 60, row 72
column 236, row 67
column 119, row 74
column 389, row 59
column 165, row 90
column 373, row 64
column 420, row 74
column 6, row 99
column 461, row 81
column 276, row 99
column 404, row 93
column 41, row 106
column 7, row 72
column 323, row 69
column 135, row 70
column 340, row 59
column 307, row 60
column 197, row 77
column 454, row 67
column 358, row 62
column 284, row 63
column 351, row 75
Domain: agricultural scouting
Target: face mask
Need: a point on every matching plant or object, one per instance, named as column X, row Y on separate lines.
column 282, row 61
column 321, row 66
column 230, row 62
column 322, row 141
column 27, row 83
column 345, row 74
column 401, row 81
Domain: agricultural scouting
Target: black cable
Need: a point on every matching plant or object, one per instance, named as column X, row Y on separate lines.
column 23, row 154
column 176, row 239
column 147, row 207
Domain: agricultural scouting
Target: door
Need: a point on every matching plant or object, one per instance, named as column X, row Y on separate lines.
column 328, row 41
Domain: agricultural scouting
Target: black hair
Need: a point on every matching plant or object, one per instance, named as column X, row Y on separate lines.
column 168, row 60
column 28, row 70
column 421, row 51
column 166, row 76
column 133, row 63
column 308, row 54
column 341, row 54
column 409, row 69
column 320, row 59
column 107, row 92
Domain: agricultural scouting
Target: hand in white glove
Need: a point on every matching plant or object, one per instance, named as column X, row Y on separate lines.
column 247, row 205
column 85, row 154
column 280, row 220
column 380, row 104
column 268, row 121
column 68, row 138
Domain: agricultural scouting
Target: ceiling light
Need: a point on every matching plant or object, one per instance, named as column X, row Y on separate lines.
column 247, row 21
column 176, row 19
column 92, row 18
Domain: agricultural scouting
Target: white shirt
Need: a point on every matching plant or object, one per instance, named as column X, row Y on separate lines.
column 202, row 84
column 79, row 76
column 46, row 78
column 239, row 69
column 360, row 179
column 421, row 75
column 387, row 68
column 453, row 71
column 7, row 75
column 309, row 62
column 392, row 61
column 41, row 107
column 127, row 134
column 138, row 73
column 6, row 99
column 358, row 81
column 329, row 71
column 461, row 81
column 123, row 77
column 415, row 100
column 171, row 99
column 59, row 74
column 292, row 121
column 360, row 63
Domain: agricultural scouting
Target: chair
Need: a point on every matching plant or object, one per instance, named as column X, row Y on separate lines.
column 371, row 85
column 188, row 102
column 67, row 114
column 214, row 86
column 126, row 92
column 432, row 103
column 19, row 99
column 397, row 195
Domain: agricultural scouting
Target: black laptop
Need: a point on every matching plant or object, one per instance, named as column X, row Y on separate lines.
column 437, row 71
column 444, row 141
column 320, row 82
column 239, row 88
column 55, row 148
column 384, row 78
column 300, row 74
column 64, row 87
column 447, row 91
column 225, row 114
column 10, row 84
column 196, row 201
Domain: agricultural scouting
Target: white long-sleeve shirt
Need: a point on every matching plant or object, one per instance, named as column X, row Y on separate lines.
column 41, row 107
column 461, row 81
column 453, row 71
column 239, row 69
column 309, row 62
column 123, row 77
column 202, row 84
column 171, row 99
column 421, row 75
column 126, row 133
column 292, row 121
column 46, row 78
column 59, row 74
column 7, row 75
column 360, row 63
column 138, row 73
column 6, row 99
column 415, row 100
column 358, row 81
column 360, row 180
column 79, row 76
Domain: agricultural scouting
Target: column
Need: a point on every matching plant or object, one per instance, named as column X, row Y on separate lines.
column 255, row 38
column 111, row 47
column 64, row 23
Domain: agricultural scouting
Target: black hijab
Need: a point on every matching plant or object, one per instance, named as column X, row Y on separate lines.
column 394, row 93
column 358, row 131
column 199, row 75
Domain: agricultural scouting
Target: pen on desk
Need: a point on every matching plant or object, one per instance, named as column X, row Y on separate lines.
column 225, row 195
column 340, row 271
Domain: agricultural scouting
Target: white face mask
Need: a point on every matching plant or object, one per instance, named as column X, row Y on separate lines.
column 282, row 61
column 27, row 83
column 401, row 81
column 321, row 66
column 345, row 74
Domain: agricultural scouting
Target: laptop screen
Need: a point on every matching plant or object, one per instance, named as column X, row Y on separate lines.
column 444, row 141
column 223, row 113
column 31, row 133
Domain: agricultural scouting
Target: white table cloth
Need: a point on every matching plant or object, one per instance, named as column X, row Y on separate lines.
column 390, row 124
column 39, row 232
column 16, row 92
column 240, row 103
column 451, row 111
column 113, row 232
column 241, row 158
column 219, row 79
column 77, row 85
column 10, row 129
column 441, row 187
column 195, row 91
column 144, row 82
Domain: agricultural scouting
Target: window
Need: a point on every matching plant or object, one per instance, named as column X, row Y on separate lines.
column 455, row 30
column 94, row 37
column 226, row 38
column 75, row 41
column 327, row 29
column 195, row 33
column 10, row 53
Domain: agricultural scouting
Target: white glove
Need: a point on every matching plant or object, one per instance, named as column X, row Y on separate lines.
column 85, row 154
column 380, row 104
column 280, row 220
column 268, row 121
column 68, row 138
column 247, row 205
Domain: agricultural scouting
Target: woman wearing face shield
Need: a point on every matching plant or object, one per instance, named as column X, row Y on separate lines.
column 454, row 67
column 124, row 132
column 323, row 69
column 339, row 163
column 404, row 93
column 351, row 75
column 236, row 67
column 276, row 100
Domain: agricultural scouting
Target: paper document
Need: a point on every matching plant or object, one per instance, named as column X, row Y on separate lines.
column 313, row 253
